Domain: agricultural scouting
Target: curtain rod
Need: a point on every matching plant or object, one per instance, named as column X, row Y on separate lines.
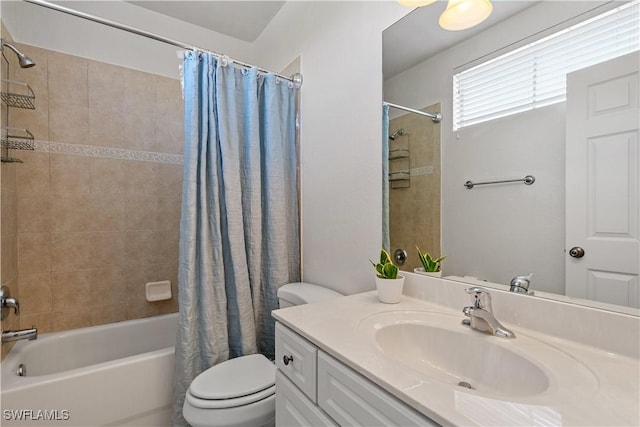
column 437, row 117
column 296, row 79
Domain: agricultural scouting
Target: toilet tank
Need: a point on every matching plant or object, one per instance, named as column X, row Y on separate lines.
column 304, row 293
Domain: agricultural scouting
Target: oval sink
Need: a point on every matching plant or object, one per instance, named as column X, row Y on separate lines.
column 465, row 358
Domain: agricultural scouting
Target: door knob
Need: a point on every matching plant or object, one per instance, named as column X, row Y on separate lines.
column 576, row 252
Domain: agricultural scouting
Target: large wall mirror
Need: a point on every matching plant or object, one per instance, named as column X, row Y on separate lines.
column 583, row 152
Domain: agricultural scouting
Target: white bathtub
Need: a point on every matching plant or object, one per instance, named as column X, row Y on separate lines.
column 120, row 374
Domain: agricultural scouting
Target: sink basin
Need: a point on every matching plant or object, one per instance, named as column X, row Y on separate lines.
column 473, row 361
column 430, row 347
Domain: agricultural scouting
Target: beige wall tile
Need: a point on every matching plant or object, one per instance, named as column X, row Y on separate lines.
column 70, row 174
column 34, row 253
column 68, row 80
column 35, row 294
column 168, row 179
column 140, row 309
column 86, row 250
column 103, row 314
column 34, row 214
column 9, row 255
column 71, row 289
column 106, row 126
column 69, row 123
column 141, row 247
column 169, row 116
column 9, row 218
column 43, row 322
column 8, row 178
column 140, row 178
column 79, row 318
column 86, row 213
column 106, row 85
column 142, row 212
column 169, row 211
column 32, row 178
column 108, row 177
column 108, row 287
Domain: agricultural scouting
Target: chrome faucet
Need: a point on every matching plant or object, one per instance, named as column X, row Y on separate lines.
column 6, row 304
column 481, row 314
column 22, row 334
column 520, row 284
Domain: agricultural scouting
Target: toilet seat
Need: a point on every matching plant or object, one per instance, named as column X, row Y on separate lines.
column 235, row 382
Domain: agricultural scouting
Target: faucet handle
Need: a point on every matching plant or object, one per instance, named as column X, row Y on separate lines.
column 481, row 297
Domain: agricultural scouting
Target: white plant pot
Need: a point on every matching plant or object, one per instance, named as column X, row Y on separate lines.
column 390, row 290
column 427, row 273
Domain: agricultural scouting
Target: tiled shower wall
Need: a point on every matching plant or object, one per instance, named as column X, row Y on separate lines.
column 414, row 211
column 8, row 217
column 98, row 201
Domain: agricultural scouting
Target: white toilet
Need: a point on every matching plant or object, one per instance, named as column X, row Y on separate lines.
column 241, row 391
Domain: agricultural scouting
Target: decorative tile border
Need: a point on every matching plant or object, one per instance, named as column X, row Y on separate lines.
column 424, row 170
column 106, row 152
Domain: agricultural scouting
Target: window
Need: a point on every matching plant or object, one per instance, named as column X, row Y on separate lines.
column 534, row 75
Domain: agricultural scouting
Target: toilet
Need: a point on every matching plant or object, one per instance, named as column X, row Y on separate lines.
column 241, row 391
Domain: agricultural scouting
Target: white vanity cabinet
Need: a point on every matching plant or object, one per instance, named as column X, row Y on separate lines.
column 315, row 389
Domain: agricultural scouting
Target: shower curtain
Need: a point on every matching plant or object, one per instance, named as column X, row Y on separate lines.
column 239, row 225
column 386, row 243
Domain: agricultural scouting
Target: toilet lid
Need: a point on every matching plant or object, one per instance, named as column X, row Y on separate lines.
column 235, row 378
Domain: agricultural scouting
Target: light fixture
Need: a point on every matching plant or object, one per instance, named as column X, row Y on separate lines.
column 415, row 3
column 463, row 14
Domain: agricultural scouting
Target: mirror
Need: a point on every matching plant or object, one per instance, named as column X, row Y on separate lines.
column 494, row 233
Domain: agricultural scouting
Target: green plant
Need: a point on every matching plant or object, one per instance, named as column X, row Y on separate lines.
column 430, row 265
column 385, row 269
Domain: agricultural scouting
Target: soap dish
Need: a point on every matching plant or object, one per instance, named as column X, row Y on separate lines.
column 158, row 291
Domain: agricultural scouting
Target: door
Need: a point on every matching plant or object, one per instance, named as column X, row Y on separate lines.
column 602, row 182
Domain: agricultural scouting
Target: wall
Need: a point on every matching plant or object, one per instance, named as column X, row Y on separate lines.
column 340, row 45
column 497, row 232
column 8, row 215
column 98, row 201
column 57, row 31
column 414, row 205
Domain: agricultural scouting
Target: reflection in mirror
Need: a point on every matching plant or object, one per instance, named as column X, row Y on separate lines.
column 414, row 185
column 583, row 152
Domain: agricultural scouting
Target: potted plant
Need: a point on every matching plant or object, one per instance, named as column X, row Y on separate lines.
column 388, row 283
column 430, row 266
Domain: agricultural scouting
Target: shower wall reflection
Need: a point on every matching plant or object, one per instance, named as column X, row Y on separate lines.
column 414, row 204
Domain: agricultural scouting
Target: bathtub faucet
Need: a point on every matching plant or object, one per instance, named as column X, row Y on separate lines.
column 21, row 334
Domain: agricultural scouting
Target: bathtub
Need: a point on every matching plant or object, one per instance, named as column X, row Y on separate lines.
column 120, row 374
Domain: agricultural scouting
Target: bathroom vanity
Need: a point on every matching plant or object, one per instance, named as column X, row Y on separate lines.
column 356, row 361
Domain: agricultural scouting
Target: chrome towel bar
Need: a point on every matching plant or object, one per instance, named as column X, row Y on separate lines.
column 528, row 180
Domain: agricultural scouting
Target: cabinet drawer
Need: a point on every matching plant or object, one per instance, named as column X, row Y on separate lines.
column 293, row 409
column 352, row 400
column 301, row 369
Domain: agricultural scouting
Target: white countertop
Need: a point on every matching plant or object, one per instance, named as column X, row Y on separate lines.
column 596, row 388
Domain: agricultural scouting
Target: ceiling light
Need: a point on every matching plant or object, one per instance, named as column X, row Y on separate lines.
column 415, row 3
column 463, row 14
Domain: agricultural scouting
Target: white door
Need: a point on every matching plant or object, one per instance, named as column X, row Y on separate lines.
column 602, row 182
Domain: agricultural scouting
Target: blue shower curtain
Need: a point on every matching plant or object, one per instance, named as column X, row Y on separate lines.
column 239, row 238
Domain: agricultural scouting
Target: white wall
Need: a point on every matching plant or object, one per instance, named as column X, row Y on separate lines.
column 49, row 29
column 498, row 232
column 340, row 45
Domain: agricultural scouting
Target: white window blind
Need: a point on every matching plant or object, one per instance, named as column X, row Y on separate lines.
column 534, row 75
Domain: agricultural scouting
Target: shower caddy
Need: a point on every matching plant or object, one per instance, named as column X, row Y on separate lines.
column 17, row 95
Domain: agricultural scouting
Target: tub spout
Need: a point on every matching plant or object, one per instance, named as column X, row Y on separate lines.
column 22, row 334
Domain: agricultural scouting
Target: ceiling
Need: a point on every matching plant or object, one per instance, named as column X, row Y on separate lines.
column 408, row 42
column 242, row 20
column 418, row 36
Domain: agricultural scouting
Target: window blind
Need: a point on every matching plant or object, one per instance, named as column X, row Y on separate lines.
column 534, row 75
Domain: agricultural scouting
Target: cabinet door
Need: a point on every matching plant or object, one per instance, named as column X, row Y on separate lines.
column 293, row 409
column 352, row 400
column 300, row 363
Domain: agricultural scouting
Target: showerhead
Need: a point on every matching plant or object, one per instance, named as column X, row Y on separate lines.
column 397, row 133
column 24, row 60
